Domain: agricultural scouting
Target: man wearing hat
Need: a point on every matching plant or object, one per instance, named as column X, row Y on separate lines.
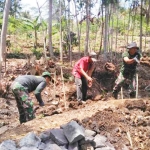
column 82, row 72
column 128, row 69
column 22, row 86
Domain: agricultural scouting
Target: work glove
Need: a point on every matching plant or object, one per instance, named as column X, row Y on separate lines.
column 136, row 59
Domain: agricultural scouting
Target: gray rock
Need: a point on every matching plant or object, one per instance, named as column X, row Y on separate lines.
column 42, row 146
column 73, row 132
column 90, row 133
column 44, row 137
column 49, row 141
column 62, row 126
column 64, row 147
column 8, row 145
column 29, row 148
column 87, row 139
column 52, row 147
column 57, row 135
column 100, row 141
column 73, row 146
column 30, row 140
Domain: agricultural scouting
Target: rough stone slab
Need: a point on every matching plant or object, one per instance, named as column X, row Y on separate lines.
column 52, row 147
column 100, row 141
column 29, row 148
column 42, row 146
column 30, row 140
column 49, row 141
column 73, row 132
column 57, row 135
column 64, row 147
column 88, row 139
column 8, row 145
column 90, row 133
column 73, row 146
column 44, row 137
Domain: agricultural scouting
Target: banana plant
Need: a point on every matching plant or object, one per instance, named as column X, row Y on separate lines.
column 33, row 25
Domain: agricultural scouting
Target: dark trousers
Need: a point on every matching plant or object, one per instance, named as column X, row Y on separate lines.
column 81, row 87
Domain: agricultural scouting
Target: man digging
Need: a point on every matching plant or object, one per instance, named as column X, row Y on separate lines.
column 82, row 72
column 22, row 86
column 128, row 70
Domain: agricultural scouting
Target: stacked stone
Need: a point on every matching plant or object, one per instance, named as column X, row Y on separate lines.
column 70, row 136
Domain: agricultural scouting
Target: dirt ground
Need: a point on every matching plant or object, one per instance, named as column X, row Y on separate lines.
column 124, row 121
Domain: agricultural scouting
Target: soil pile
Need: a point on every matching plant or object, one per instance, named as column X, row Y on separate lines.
column 121, row 121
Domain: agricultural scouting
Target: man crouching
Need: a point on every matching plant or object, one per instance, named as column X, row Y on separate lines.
column 22, row 86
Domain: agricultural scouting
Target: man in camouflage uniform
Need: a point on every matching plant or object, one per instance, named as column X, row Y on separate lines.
column 128, row 70
column 22, row 86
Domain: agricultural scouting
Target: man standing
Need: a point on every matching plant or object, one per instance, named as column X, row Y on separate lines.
column 82, row 72
column 128, row 70
column 22, row 86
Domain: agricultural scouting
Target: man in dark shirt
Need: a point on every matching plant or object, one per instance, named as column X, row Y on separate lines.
column 128, row 70
column 22, row 86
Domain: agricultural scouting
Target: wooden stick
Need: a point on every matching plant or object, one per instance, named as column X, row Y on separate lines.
column 63, row 87
column 137, row 85
column 55, row 84
column 129, row 138
column 121, row 93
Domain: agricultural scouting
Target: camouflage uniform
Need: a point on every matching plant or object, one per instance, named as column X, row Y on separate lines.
column 127, row 75
column 24, row 102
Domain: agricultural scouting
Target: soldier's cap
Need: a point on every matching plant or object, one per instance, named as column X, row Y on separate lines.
column 46, row 73
column 132, row 45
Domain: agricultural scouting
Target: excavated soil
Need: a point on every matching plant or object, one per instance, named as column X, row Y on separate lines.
column 124, row 121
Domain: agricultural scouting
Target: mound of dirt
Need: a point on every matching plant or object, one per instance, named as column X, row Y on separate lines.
column 122, row 121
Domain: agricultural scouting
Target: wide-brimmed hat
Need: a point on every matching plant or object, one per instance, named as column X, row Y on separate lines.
column 46, row 73
column 131, row 45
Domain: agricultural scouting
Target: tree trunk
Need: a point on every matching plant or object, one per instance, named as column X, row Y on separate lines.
column 102, row 31
column 106, row 33
column 141, row 26
column 44, row 31
column 61, row 51
column 87, row 29
column 35, row 35
column 70, row 47
column 3, row 33
column 50, row 29
column 77, row 22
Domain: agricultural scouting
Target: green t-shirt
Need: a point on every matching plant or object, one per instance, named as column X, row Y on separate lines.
column 129, row 68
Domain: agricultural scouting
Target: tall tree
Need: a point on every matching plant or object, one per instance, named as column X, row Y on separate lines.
column 4, row 32
column 50, row 28
column 61, row 50
column 86, row 49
